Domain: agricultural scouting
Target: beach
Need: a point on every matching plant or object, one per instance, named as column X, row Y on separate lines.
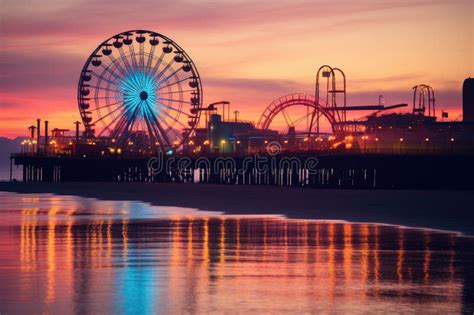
column 434, row 209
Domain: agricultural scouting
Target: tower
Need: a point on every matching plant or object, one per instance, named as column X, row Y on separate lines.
column 468, row 100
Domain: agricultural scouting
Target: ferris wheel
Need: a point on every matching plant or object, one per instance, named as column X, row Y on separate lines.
column 140, row 85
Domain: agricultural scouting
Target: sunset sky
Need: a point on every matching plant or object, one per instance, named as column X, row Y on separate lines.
column 248, row 52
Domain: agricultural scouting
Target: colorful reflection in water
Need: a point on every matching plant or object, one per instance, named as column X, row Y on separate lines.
column 60, row 254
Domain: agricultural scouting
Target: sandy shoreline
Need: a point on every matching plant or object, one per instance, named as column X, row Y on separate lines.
column 437, row 209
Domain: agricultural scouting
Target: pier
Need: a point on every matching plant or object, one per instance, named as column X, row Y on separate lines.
column 359, row 171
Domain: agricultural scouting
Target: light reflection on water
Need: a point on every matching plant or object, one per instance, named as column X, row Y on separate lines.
column 60, row 254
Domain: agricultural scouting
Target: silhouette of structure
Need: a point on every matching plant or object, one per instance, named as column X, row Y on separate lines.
column 140, row 94
column 468, row 100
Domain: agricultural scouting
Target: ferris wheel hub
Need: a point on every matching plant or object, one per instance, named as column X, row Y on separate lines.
column 143, row 95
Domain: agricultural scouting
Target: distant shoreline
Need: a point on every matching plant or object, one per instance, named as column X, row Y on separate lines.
column 435, row 209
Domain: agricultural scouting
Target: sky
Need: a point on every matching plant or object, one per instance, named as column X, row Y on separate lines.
column 249, row 52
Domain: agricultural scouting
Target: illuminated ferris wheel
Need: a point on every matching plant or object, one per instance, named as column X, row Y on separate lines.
column 140, row 85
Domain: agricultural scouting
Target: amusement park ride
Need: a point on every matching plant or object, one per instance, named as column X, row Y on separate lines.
column 139, row 92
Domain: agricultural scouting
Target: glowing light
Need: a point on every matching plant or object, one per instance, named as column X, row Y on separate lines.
column 223, row 142
column 452, row 139
column 140, row 98
column 206, row 142
column 427, row 139
column 401, row 139
column 238, row 141
column 348, row 145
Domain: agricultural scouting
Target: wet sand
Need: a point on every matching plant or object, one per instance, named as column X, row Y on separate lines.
column 436, row 209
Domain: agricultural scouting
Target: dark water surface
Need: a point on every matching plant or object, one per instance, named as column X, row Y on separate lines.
column 63, row 254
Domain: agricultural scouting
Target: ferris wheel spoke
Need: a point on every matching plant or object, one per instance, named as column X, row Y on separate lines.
column 171, row 84
column 142, row 57
column 101, row 78
column 107, row 127
column 134, row 84
column 160, row 128
column 117, row 65
column 152, row 131
column 150, row 58
column 176, row 92
column 131, row 122
column 149, row 119
column 169, row 76
column 174, row 119
column 107, row 89
column 172, row 108
column 172, row 100
column 161, row 118
column 114, row 132
column 162, row 72
column 108, row 105
column 124, row 59
column 157, row 64
column 108, row 114
column 124, row 123
column 106, row 97
column 112, row 73
column 133, row 57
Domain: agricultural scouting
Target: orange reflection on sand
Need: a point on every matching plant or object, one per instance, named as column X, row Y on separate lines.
column 364, row 232
column 51, row 249
column 347, row 252
column 28, row 239
column 375, row 253
column 400, row 255
column 331, row 262
column 426, row 257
